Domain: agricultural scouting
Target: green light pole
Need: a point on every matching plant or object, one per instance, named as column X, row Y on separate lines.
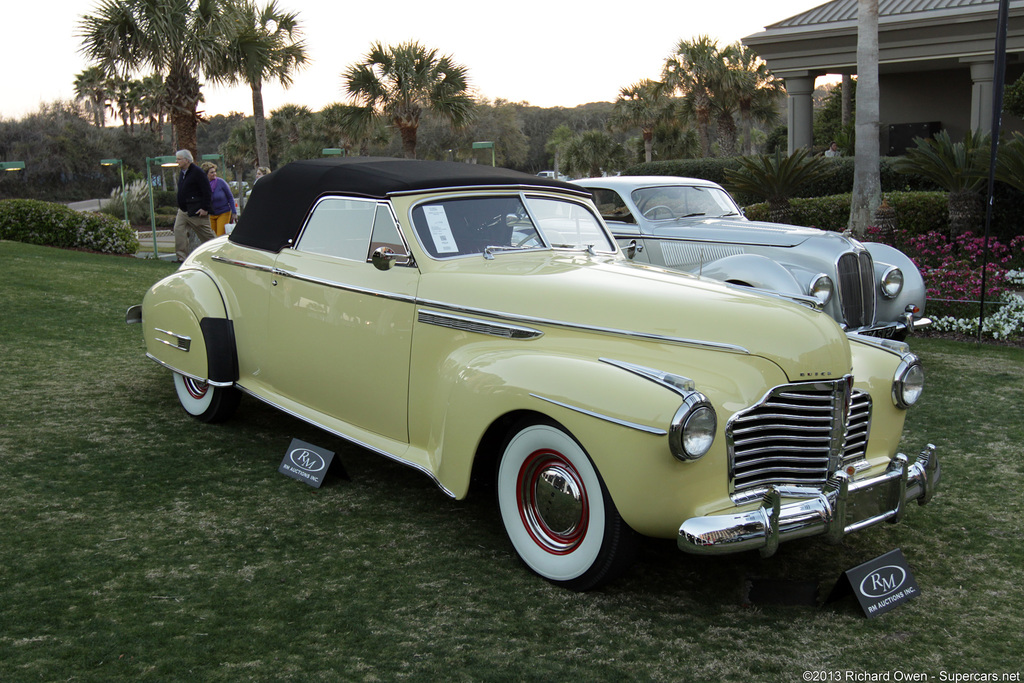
column 124, row 195
column 165, row 162
column 486, row 145
column 332, row 152
column 12, row 165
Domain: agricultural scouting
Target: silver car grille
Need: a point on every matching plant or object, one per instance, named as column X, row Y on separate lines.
column 857, row 288
column 798, row 434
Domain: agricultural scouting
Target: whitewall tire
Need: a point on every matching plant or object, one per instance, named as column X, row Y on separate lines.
column 556, row 510
column 204, row 402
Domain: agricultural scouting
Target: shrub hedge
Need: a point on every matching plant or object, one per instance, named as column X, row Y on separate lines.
column 916, row 212
column 43, row 223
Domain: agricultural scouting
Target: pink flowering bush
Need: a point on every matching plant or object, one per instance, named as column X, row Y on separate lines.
column 952, row 270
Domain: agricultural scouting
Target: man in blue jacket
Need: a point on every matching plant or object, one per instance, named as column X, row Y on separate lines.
column 194, row 204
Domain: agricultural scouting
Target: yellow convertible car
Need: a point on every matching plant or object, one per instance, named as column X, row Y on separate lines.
column 474, row 323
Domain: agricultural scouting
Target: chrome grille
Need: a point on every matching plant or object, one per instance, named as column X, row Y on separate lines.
column 857, row 288
column 798, row 434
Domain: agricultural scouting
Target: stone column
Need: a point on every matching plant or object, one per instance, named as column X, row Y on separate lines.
column 800, row 116
column 982, row 75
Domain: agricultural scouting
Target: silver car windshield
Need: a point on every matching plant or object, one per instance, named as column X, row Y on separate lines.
column 489, row 225
column 669, row 202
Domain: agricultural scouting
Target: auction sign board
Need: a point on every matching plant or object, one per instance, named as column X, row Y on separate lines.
column 880, row 585
column 306, row 462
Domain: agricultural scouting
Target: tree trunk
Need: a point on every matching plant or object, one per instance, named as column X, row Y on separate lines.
column 408, row 134
column 867, row 186
column 965, row 210
column 648, row 134
column 260, row 125
column 779, row 210
column 847, row 96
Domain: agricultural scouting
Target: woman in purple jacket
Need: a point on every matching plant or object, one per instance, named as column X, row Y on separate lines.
column 223, row 201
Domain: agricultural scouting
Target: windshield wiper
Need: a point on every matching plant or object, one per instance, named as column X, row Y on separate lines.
column 691, row 215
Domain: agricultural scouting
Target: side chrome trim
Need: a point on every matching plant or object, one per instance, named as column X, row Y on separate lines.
column 357, row 442
column 242, row 264
column 458, row 322
column 529, row 320
column 187, row 374
column 606, row 418
column 683, row 386
column 509, row 317
column 345, row 288
column 182, row 343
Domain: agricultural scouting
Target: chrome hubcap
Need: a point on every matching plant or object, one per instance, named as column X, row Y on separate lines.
column 553, row 502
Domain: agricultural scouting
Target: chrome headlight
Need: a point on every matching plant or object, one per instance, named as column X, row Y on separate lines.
column 892, row 282
column 821, row 288
column 693, row 428
column 908, row 383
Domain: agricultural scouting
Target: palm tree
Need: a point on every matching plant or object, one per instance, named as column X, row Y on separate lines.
column 175, row 38
column 264, row 45
column 1010, row 162
column 642, row 105
column 398, row 83
column 867, row 183
column 591, row 152
column 776, row 178
column 153, row 102
column 961, row 168
column 93, row 87
column 556, row 144
column 696, row 70
column 755, row 89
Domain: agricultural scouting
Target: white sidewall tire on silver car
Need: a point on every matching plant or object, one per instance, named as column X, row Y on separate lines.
column 542, row 473
column 204, row 402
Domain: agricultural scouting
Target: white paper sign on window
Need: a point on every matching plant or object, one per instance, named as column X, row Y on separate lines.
column 440, row 230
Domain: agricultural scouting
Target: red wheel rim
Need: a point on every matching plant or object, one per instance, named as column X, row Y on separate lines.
column 552, row 501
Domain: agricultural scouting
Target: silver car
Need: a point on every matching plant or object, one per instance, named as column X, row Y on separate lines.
column 695, row 226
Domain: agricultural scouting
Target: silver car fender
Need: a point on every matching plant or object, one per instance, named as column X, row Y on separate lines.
column 755, row 271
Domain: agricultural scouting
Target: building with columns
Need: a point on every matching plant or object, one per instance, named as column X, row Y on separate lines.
column 935, row 64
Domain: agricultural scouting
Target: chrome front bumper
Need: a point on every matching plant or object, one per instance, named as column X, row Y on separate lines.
column 817, row 512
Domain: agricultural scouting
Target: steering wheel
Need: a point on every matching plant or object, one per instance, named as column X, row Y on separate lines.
column 649, row 213
column 533, row 237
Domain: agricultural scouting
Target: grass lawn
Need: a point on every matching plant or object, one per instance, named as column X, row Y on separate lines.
column 139, row 544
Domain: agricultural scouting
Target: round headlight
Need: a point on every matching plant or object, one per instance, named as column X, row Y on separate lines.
column 908, row 384
column 693, row 428
column 892, row 283
column 821, row 288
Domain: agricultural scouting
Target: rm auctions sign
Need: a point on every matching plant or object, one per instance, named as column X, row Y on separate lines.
column 306, row 462
column 880, row 585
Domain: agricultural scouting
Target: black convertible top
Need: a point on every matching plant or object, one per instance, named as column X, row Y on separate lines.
column 280, row 201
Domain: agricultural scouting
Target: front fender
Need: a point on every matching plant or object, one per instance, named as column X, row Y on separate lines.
column 173, row 314
column 756, row 271
column 914, row 292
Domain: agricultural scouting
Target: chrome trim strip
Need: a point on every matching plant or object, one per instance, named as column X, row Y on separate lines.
column 492, row 188
column 510, row 317
column 684, row 386
column 457, row 322
column 187, row 374
column 242, row 264
column 346, row 437
column 606, row 418
column 346, row 288
column 184, row 342
column 718, row 346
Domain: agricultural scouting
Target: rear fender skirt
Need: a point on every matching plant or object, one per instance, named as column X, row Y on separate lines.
column 221, row 353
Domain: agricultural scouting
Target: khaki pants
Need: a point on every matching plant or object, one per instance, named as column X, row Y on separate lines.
column 200, row 225
column 219, row 221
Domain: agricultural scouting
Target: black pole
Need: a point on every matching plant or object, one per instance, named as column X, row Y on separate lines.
column 998, row 81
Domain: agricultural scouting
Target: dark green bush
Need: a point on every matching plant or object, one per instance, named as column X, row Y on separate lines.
column 35, row 222
column 916, row 212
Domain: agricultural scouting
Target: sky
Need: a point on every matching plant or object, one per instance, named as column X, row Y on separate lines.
column 546, row 52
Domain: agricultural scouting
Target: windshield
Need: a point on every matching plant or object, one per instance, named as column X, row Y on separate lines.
column 682, row 201
column 478, row 225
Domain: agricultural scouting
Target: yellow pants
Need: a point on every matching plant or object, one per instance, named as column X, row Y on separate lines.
column 217, row 222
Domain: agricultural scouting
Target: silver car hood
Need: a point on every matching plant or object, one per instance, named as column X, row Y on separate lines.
column 737, row 231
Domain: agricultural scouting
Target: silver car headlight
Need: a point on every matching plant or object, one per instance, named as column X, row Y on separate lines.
column 693, row 428
column 908, row 384
column 821, row 288
column 892, row 282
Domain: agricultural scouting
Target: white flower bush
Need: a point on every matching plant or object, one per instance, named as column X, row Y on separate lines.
column 1005, row 323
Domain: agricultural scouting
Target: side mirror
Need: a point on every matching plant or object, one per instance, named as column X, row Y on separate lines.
column 632, row 249
column 384, row 257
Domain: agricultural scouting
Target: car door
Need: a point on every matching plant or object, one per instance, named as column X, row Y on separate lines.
column 340, row 328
